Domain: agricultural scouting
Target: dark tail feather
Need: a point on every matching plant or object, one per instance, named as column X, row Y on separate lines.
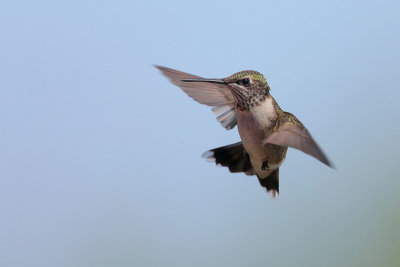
column 271, row 183
column 237, row 160
column 232, row 156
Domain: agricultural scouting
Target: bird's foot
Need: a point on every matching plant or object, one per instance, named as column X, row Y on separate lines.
column 264, row 165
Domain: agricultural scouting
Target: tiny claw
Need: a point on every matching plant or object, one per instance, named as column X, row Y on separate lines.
column 264, row 165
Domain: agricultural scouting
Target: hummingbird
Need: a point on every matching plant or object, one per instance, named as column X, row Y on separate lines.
column 266, row 131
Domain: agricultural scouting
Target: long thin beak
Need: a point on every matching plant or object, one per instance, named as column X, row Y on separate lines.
column 204, row 80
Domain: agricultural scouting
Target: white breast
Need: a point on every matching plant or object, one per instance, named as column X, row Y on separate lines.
column 264, row 113
column 253, row 125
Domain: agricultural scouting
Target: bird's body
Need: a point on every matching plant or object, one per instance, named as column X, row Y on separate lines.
column 256, row 125
column 266, row 132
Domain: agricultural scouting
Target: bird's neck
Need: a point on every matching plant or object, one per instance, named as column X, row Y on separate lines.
column 246, row 100
column 265, row 113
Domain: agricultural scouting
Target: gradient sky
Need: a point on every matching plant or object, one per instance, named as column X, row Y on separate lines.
column 100, row 155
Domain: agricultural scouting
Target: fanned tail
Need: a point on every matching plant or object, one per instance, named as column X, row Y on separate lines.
column 271, row 183
column 237, row 160
column 232, row 156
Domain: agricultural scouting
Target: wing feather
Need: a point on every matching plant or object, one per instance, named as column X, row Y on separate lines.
column 211, row 94
column 296, row 136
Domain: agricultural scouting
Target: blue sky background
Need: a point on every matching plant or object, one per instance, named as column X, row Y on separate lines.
column 100, row 155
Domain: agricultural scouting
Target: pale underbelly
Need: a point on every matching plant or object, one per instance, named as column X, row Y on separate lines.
column 253, row 136
column 274, row 158
column 262, row 155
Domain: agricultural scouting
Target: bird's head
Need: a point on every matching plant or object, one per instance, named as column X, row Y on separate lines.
column 248, row 87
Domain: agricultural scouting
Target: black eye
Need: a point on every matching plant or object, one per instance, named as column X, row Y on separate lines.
column 245, row 81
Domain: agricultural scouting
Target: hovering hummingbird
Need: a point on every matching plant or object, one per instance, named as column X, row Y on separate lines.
column 266, row 131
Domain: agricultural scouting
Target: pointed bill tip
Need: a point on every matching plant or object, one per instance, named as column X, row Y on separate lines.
column 204, row 80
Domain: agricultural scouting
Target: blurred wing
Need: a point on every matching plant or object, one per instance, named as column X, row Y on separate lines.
column 211, row 94
column 296, row 136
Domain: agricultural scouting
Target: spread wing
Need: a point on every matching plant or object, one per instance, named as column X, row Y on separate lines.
column 292, row 133
column 211, row 94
